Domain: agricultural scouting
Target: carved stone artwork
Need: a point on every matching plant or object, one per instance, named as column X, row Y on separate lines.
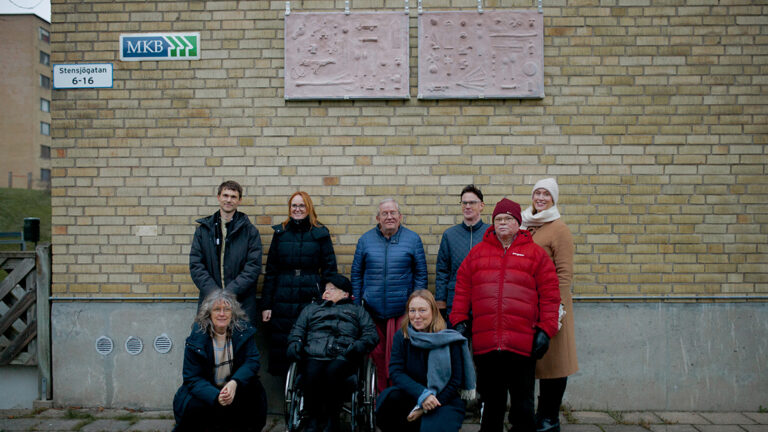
column 339, row 56
column 469, row 55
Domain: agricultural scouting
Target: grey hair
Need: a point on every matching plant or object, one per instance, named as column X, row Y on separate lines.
column 203, row 318
column 386, row 200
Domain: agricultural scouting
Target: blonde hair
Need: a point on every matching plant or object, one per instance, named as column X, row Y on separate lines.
column 437, row 324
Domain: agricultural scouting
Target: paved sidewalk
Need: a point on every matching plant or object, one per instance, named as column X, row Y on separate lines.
column 110, row 420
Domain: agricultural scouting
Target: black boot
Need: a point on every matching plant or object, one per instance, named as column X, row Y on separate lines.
column 314, row 424
column 550, row 397
column 548, row 424
column 333, row 424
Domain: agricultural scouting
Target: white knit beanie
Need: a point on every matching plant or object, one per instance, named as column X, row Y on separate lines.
column 549, row 184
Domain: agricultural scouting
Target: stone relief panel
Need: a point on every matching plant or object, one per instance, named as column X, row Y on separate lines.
column 469, row 55
column 331, row 55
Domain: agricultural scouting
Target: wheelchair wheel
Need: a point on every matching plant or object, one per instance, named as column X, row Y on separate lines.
column 293, row 400
column 366, row 418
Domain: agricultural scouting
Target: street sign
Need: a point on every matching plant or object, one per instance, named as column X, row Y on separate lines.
column 80, row 76
column 160, row 46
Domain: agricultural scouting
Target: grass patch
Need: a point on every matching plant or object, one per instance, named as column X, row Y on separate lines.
column 78, row 415
column 132, row 419
column 17, row 204
column 568, row 414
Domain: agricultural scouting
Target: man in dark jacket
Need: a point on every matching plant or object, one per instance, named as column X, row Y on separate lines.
column 456, row 243
column 331, row 337
column 389, row 264
column 226, row 251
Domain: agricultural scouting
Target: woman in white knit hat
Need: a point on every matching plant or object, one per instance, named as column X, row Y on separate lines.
column 542, row 219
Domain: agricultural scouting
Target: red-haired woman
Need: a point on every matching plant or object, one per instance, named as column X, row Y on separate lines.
column 301, row 254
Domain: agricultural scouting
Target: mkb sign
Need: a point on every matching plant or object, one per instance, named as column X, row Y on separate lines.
column 160, row 46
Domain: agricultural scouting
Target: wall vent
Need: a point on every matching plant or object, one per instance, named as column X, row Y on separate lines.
column 163, row 344
column 134, row 345
column 104, row 346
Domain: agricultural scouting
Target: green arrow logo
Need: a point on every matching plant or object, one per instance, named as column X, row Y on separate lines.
column 182, row 46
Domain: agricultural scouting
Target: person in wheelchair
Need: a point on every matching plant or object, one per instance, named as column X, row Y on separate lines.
column 431, row 370
column 221, row 389
column 329, row 341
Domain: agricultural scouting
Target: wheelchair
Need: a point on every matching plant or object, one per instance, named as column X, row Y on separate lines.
column 360, row 407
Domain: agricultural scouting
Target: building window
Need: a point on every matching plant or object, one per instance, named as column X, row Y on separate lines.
column 45, row 152
column 45, row 105
column 45, row 128
column 45, row 175
column 45, row 82
column 45, row 36
column 45, row 59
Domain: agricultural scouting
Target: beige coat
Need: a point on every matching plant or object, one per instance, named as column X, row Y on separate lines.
column 560, row 361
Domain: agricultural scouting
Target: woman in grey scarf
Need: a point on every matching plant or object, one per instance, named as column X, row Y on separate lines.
column 431, row 370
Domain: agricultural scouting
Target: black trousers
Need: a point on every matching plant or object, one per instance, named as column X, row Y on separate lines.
column 325, row 385
column 248, row 412
column 551, row 393
column 499, row 373
column 392, row 414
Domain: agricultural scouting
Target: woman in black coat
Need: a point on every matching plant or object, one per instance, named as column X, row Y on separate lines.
column 221, row 388
column 300, row 255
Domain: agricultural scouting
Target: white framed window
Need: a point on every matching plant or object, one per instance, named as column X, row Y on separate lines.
column 45, row 128
column 45, row 105
column 45, row 58
column 45, row 35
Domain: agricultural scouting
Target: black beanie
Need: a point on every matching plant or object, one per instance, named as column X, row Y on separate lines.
column 339, row 281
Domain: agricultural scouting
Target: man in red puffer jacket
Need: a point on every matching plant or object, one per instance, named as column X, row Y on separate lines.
column 510, row 285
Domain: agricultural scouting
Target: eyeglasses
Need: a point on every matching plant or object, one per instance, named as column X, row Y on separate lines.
column 503, row 219
column 469, row 203
column 221, row 309
column 298, row 206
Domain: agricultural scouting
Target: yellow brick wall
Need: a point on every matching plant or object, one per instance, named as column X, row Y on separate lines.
column 655, row 124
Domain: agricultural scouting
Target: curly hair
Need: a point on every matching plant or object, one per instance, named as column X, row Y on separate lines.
column 203, row 318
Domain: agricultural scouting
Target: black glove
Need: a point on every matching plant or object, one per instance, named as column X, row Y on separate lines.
column 354, row 351
column 294, row 352
column 463, row 329
column 540, row 344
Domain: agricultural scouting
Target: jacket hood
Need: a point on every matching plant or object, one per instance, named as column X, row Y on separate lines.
column 200, row 339
column 238, row 220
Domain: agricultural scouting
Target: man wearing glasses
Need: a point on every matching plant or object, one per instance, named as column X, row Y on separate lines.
column 456, row 243
column 226, row 251
column 389, row 265
column 510, row 285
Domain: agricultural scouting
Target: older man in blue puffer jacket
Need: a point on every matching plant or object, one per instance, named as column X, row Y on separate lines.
column 389, row 264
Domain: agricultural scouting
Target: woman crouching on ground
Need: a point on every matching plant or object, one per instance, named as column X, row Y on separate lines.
column 221, row 388
column 431, row 370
